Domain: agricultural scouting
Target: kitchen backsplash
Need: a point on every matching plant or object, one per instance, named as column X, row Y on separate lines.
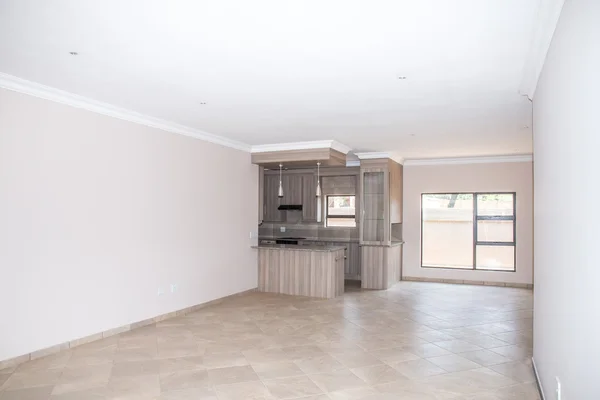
column 309, row 231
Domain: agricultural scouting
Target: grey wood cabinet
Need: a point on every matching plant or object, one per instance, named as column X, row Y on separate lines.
column 380, row 266
column 292, row 189
column 270, row 200
column 309, row 197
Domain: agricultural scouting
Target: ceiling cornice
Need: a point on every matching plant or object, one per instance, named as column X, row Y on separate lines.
column 469, row 160
column 60, row 96
column 317, row 144
column 544, row 27
column 379, row 154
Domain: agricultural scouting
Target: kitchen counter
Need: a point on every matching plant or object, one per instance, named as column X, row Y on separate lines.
column 299, row 247
column 314, row 271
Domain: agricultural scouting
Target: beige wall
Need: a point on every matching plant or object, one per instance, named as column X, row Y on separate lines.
column 97, row 213
column 499, row 177
column 566, row 139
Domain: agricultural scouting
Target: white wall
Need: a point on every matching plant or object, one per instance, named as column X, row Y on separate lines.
column 567, row 200
column 494, row 177
column 96, row 213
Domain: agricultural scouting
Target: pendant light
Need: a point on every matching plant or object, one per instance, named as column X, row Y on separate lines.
column 280, row 191
column 318, row 180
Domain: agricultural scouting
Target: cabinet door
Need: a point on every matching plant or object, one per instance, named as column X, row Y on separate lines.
column 353, row 254
column 292, row 189
column 309, row 197
column 373, row 206
column 271, row 201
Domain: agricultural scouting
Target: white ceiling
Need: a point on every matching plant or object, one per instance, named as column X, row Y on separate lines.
column 274, row 71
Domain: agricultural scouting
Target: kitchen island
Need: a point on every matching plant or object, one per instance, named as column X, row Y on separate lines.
column 314, row 271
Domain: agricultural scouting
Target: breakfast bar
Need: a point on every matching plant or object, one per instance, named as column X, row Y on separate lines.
column 314, row 271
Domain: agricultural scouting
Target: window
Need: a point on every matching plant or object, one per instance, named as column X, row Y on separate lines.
column 468, row 231
column 340, row 211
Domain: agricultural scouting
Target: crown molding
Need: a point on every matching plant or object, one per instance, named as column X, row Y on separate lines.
column 544, row 27
column 470, row 160
column 60, row 96
column 379, row 154
column 317, row 144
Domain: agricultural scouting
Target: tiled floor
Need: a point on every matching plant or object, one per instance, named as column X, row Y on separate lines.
column 417, row 341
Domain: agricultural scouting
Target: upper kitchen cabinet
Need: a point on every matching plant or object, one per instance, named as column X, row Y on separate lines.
column 381, row 203
column 309, row 197
column 292, row 189
column 270, row 200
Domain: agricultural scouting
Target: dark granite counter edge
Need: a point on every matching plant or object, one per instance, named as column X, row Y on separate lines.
column 298, row 247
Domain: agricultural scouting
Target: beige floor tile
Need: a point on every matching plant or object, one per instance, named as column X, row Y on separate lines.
column 457, row 346
column 468, row 382
column 484, row 357
column 337, row 380
column 133, row 368
column 318, row 364
column 247, row 391
column 97, row 393
column 277, row 370
column 413, row 390
column 514, row 352
column 292, row 387
column 417, row 369
column 222, row 360
column 397, row 354
column 185, row 379
column 426, row 350
column 169, row 365
column 133, row 388
column 518, row 371
column 32, row 379
column 362, row 393
column 135, row 354
column 37, row 393
column 454, row 363
column 189, row 394
column 83, row 378
column 58, row 360
column 358, row 358
column 378, row 374
column 179, row 350
column 230, row 375
column 273, row 336
column 485, row 341
column 4, row 378
column 266, row 356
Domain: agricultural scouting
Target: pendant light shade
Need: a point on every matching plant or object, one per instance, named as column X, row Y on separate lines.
column 280, row 191
column 318, row 179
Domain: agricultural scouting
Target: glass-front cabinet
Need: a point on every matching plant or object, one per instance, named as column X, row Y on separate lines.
column 375, row 222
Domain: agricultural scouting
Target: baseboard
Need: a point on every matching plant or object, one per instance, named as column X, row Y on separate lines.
column 469, row 282
column 15, row 361
column 537, row 379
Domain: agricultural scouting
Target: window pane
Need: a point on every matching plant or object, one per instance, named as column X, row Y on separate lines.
column 496, row 257
column 495, row 204
column 340, row 205
column 343, row 206
column 495, row 231
column 447, row 230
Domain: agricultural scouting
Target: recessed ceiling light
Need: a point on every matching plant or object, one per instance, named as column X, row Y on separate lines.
column 411, row 134
column 402, row 78
column 202, row 104
column 73, row 53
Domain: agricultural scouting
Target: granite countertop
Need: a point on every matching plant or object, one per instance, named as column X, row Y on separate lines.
column 298, row 247
column 340, row 240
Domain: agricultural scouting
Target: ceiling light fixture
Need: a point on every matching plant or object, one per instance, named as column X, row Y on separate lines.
column 202, row 104
column 402, row 78
column 280, row 191
column 318, row 180
column 73, row 53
